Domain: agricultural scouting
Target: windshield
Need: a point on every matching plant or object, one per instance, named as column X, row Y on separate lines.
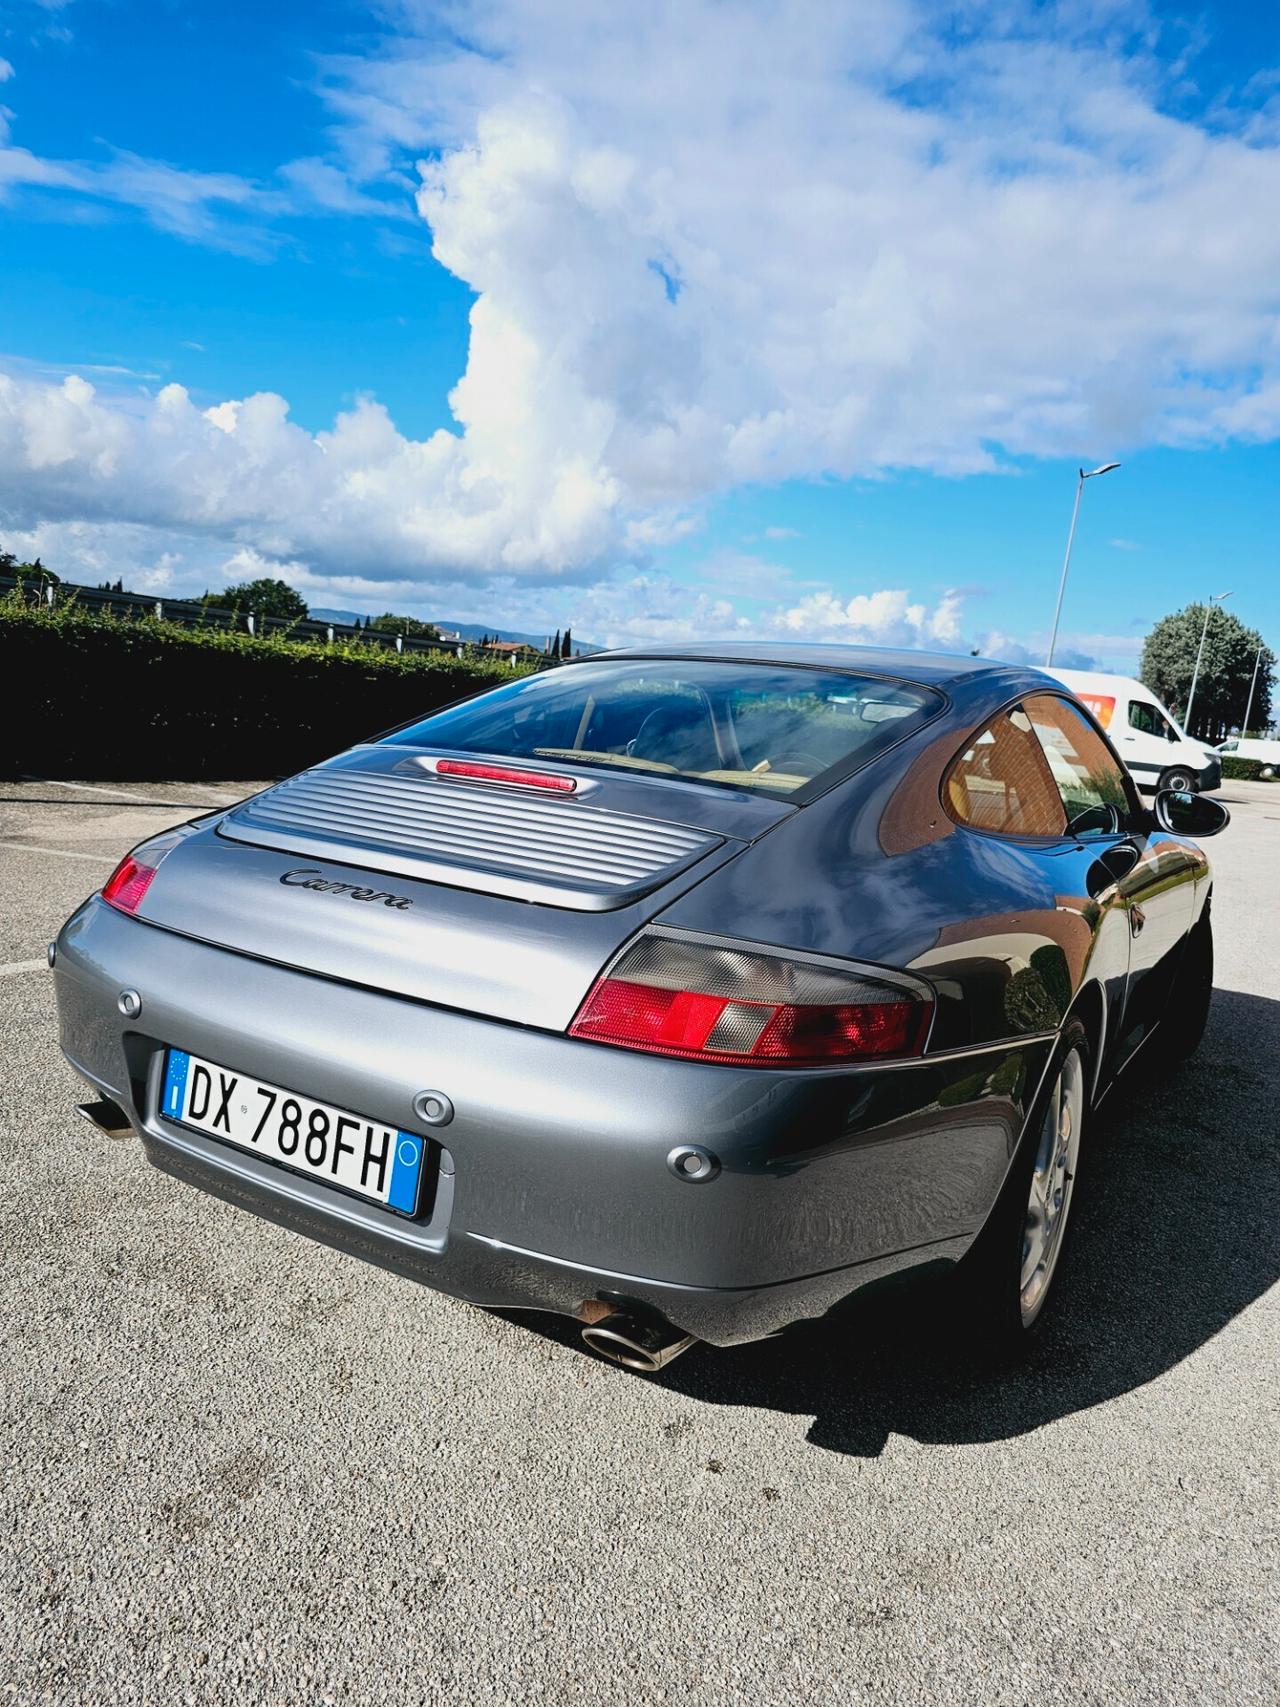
column 770, row 728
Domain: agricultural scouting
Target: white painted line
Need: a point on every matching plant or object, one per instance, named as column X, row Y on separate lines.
column 23, row 966
column 62, row 853
column 120, row 795
column 91, row 788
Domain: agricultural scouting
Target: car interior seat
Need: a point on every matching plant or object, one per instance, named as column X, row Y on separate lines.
column 679, row 735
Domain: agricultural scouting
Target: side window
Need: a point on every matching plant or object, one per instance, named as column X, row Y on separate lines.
column 1088, row 778
column 1003, row 782
column 1146, row 718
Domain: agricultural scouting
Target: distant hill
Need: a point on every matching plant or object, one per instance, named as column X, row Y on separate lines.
column 468, row 630
column 345, row 616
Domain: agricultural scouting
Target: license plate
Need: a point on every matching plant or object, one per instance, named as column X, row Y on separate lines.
column 361, row 1156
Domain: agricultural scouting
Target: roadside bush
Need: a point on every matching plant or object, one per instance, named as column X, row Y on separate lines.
column 94, row 695
column 1242, row 770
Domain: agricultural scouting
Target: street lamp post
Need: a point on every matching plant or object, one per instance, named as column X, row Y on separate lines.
column 1085, row 474
column 1253, row 682
column 1214, row 599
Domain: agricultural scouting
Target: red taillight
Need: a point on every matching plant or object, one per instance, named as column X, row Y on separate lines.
column 506, row 773
column 710, row 1002
column 857, row 1028
column 127, row 884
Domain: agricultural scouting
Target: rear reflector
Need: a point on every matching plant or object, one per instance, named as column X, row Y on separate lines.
column 127, row 884
column 506, row 773
column 707, row 1002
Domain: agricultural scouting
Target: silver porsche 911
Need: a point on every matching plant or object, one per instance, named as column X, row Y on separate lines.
column 683, row 992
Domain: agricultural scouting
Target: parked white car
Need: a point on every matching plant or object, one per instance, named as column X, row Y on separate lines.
column 1145, row 733
column 1267, row 751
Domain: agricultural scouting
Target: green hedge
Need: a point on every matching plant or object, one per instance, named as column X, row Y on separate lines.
column 1242, row 770
column 92, row 695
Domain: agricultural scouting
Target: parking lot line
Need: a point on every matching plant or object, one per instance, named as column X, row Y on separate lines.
column 13, row 966
column 61, row 853
column 120, row 794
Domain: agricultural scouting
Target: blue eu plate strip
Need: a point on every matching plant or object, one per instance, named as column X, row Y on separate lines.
column 175, row 1083
column 404, row 1172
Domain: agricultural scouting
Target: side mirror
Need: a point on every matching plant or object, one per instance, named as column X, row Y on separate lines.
column 1095, row 821
column 1189, row 814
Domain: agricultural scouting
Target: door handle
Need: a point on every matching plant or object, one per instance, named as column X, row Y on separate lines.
column 1137, row 919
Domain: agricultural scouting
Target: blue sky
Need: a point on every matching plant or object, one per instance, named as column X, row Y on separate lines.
column 785, row 321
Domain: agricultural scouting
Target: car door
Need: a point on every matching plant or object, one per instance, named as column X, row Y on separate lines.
column 1150, row 873
column 1146, row 740
column 1011, row 783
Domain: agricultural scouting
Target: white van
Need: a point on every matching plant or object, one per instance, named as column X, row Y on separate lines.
column 1145, row 733
column 1260, row 747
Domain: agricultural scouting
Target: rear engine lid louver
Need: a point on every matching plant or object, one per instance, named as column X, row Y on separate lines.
column 533, row 847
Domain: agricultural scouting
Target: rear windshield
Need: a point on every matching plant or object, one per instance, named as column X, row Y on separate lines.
column 771, row 728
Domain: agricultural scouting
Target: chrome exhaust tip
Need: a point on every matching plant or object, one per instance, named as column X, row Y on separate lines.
column 109, row 1118
column 642, row 1345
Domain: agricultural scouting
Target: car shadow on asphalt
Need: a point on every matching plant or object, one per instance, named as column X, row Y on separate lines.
column 1173, row 1235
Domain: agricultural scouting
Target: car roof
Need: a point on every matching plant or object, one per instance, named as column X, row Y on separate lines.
column 1104, row 679
column 932, row 669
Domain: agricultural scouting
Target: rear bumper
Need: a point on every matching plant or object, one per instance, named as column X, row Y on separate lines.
column 551, row 1184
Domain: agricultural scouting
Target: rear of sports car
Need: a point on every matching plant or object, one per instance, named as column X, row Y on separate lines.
column 431, row 1002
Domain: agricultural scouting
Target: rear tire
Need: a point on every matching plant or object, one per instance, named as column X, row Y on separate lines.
column 1181, row 779
column 1009, row 1278
column 1189, row 1000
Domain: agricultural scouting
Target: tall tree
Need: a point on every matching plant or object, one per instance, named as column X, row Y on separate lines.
column 389, row 623
column 9, row 565
column 555, row 645
column 566, row 650
column 1226, row 669
column 264, row 597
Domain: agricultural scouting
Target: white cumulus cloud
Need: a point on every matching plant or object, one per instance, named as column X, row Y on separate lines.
column 882, row 618
column 717, row 242
column 358, row 497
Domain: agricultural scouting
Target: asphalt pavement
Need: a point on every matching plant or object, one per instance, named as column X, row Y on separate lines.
column 238, row 1467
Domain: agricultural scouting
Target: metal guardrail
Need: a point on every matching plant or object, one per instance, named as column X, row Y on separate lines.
column 189, row 615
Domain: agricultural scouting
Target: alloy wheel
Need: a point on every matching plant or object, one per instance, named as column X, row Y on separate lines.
column 1052, row 1181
